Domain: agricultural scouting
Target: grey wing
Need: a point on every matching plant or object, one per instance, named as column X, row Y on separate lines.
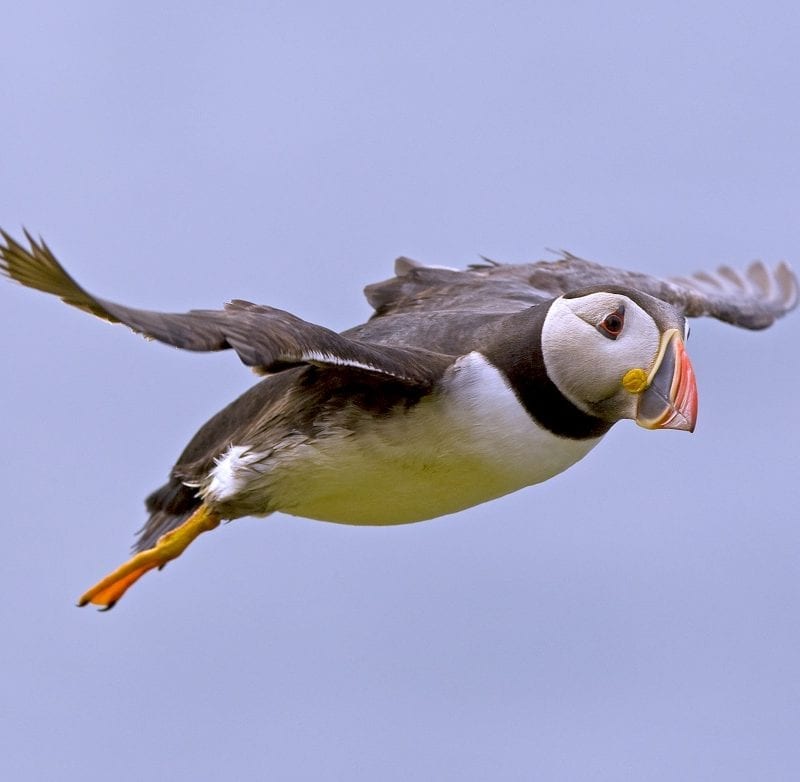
column 752, row 299
column 419, row 288
column 265, row 338
column 443, row 309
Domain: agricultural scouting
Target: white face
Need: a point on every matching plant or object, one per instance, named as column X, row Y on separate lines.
column 590, row 342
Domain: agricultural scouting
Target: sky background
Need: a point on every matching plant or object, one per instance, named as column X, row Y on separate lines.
column 634, row 618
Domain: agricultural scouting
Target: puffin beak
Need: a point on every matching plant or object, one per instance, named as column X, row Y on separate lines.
column 670, row 399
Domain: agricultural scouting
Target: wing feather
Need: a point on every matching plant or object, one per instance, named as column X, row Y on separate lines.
column 752, row 299
column 265, row 338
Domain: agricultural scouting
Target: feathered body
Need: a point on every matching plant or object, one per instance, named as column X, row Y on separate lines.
column 463, row 386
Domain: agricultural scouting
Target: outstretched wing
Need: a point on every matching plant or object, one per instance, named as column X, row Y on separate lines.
column 265, row 338
column 752, row 299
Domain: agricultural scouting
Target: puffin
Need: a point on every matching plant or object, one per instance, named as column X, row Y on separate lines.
column 463, row 386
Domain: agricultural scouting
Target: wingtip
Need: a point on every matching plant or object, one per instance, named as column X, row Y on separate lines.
column 788, row 286
column 29, row 236
column 777, row 284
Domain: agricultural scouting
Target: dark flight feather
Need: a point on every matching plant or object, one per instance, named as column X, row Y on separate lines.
column 265, row 338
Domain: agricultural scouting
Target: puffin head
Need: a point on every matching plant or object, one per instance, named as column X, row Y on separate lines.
column 618, row 353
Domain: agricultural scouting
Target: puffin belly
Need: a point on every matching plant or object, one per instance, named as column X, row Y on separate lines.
column 468, row 443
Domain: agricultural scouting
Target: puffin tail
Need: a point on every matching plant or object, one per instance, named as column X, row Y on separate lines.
column 169, row 506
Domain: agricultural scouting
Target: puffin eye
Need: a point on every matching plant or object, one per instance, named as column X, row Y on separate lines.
column 611, row 326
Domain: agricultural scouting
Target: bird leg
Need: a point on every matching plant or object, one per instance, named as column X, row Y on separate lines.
column 170, row 545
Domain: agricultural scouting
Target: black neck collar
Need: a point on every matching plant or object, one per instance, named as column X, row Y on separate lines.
column 519, row 356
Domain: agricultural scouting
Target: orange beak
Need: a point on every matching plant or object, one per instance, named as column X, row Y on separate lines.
column 670, row 400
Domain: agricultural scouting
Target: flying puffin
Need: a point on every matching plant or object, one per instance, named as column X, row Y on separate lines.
column 463, row 386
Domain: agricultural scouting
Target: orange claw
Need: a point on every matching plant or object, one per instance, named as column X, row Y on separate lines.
column 170, row 545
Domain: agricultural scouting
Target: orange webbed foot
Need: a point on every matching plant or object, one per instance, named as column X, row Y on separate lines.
column 108, row 591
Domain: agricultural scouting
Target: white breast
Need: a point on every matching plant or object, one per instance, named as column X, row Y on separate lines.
column 469, row 443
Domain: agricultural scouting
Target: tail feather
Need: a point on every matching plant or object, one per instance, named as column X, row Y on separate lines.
column 168, row 506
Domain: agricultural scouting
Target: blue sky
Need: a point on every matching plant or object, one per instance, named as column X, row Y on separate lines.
column 635, row 618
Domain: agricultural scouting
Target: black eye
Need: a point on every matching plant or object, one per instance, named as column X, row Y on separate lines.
column 611, row 326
